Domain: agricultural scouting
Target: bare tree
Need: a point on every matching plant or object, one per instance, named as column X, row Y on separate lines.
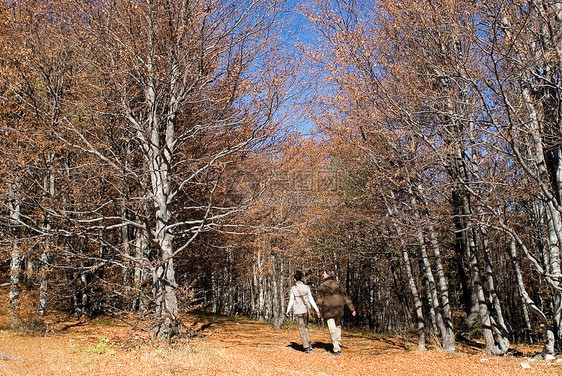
column 189, row 85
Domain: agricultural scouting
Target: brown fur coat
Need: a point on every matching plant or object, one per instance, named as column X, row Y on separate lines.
column 331, row 298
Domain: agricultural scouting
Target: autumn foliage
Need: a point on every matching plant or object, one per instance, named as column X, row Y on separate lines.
column 150, row 164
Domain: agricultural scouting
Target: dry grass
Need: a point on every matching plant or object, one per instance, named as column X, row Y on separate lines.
column 236, row 346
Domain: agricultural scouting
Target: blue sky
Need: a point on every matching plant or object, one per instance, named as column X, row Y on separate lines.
column 299, row 30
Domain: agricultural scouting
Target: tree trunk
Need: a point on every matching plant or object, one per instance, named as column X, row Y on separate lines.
column 44, row 281
column 478, row 291
column 433, row 296
column 49, row 189
column 527, row 301
column 418, row 307
column 499, row 326
column 260, row 286
column 554, row 225
column 159, row 158
column 417, row 301
column 141, row 271
column 277, row 277
column 15, row 262
column 448, row 334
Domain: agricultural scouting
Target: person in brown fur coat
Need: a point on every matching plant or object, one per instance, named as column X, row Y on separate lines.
column 331, row 298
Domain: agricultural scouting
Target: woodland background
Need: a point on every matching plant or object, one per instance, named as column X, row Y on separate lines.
column 163, row 156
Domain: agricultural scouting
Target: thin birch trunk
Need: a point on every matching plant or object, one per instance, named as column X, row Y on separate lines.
column 277, row 319
column 432, row 293
column 500, row 328
column 448, row 334
column 15, row 272
column 261, row 291
column 15, row 262
column 417, row 301
column 528, row 302
column 553, row 267
column 255, row 288
column 44, row 282
column 215, row 303
column 478, row 291
column 418, row 306
column 83, row 311
column 141, row 271
column 49, row 188
column 520, row 284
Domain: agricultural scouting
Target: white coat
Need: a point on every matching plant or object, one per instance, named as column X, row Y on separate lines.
column 295, row 301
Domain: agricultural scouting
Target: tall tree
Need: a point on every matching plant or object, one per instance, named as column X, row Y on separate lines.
column 164, row 97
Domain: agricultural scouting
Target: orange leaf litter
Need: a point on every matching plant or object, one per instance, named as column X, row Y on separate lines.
column 238, row 346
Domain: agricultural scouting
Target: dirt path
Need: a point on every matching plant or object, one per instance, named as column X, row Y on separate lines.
column 239, row 347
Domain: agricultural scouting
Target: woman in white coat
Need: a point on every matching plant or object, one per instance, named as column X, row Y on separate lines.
column 299, row 299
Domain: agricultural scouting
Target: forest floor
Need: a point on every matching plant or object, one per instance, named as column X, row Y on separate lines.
column 236, row 346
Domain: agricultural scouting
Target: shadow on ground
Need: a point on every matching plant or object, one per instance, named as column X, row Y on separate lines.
column 315, row 345
column 296, row 346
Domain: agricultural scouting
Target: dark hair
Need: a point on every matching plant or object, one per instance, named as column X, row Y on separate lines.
column 298, row 275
